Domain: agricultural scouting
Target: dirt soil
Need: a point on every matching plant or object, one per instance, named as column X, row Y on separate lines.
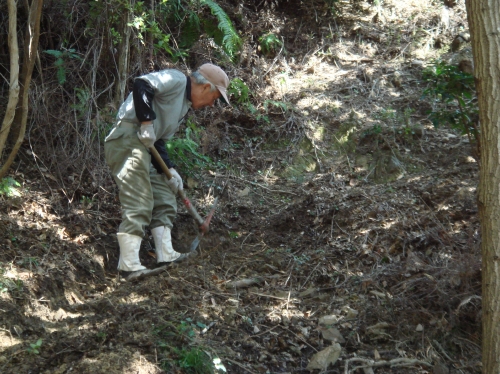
column 345, row 239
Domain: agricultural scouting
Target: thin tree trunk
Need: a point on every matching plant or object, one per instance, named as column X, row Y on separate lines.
column 484, row 24
column 123, row 58
column 14, row 75
column 32, row 35
column 150, row 43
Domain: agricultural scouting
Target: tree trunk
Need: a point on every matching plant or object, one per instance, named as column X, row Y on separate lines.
column 32, row 35
column 484, row 25
column 123, row 57
column 14, row 75
column 150, row 43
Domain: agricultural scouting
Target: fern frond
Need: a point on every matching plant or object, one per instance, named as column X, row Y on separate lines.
column 231, row 40
column 190, row 31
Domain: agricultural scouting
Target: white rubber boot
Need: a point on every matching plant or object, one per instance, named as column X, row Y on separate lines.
column 163, row 246
column 129, row 252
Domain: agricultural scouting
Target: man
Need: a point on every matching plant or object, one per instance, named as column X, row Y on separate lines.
column 149, row 116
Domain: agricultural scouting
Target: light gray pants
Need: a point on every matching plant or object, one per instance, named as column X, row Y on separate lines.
column 145, row 197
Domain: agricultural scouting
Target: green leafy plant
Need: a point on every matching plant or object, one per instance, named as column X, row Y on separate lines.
column 270, row 44
column 239, row 91
column 34, row 348
column 194, row 360
column 185, row 151
column 262, row 115
column 376, row 129
column 86, row 201
column 62, row 58
column 163, row 43
column 192, row 24
column 8, row 187
column 455, row 91
column 82, row 101
column 145, row 23
column 187, row 328
column 242, row 94
column 178, row 341
column 231, row 41
column 257, row 114
column 284, row 107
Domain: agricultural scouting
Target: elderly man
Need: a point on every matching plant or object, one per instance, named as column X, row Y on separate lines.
column 149, row 116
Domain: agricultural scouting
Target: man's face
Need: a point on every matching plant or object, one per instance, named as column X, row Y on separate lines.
column 202, row 96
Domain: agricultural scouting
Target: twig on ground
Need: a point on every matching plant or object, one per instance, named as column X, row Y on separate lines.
column 244, row 282
column 468, row 341
column 240, row 365
column 286, row 299
column 442, row 350
column 259, row 185
column 262, row 333
column 309, row 276
column 298, row 337
column 275, row 59
column 392, row 363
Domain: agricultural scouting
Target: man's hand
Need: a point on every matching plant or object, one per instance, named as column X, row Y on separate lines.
column 175, row 183
column 147, row 135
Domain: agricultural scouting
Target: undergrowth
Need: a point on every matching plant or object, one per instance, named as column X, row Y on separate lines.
column 180, row 350
column 9, row 187
column 455, row 99
column 184, row 150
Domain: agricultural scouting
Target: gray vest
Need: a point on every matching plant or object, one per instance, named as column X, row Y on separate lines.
column 170, row 104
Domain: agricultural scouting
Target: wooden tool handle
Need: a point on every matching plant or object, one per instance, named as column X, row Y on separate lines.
column 190, row 208
column 163, row 166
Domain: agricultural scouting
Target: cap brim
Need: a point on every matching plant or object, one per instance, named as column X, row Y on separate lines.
column 223, row 94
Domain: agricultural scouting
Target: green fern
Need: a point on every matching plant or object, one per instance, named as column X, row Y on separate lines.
column 231, row 40
column 190, row 31
column 185, row 151
column 81, row 104
column 270, row 44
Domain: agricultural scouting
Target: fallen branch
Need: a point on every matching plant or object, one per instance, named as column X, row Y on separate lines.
column 256, row 184
column 368, row 363
column 244, row 282
column 240, row 365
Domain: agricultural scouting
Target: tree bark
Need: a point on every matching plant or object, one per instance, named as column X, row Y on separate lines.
column 32, row 35
column 150, row 43
column 123, row 57
column 484, row 24
column 14, row 75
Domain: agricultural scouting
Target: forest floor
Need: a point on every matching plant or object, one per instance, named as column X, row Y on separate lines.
column 346, row 237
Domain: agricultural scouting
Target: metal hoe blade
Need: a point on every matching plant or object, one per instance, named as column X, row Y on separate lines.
column 204, row 227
